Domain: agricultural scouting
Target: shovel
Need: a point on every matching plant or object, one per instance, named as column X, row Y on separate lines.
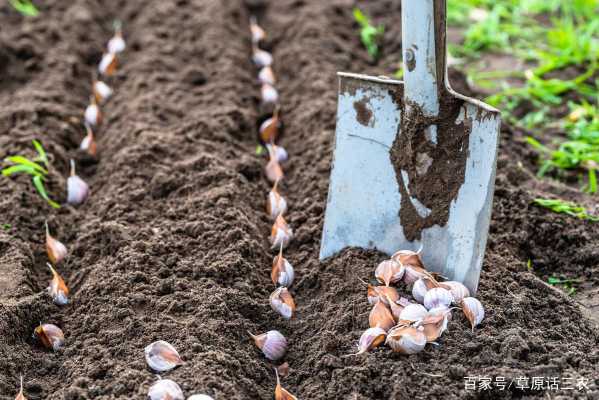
column 414, row 161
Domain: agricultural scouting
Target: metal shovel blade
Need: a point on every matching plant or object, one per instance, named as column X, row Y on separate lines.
column 426, row 181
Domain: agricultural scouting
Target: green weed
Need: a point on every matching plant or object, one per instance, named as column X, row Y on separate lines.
column 568, row 284
column 369, row 34
column 25, row 7
column 566, row 207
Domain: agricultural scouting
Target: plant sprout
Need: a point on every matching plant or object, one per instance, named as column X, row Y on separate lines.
column 25, row 7
column 34, row 168
column 566, row 207
column 369, row 34
column 568, row 284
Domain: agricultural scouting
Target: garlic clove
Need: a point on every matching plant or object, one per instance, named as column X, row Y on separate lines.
column 273, row 170
column 406, row 339
column 413, row 273
column 21, row 395
column 269, row 129
column 419, row 289
column 474, row 311
column 165, row 389
column 200, row 397
column 56, row 250
column 437, row 297
column 77, row 189
column 412, row 313
column 108, row 64
column 381, row 317
column 389, row 271
column 93, row 115
column 279, row 152
column 282, row 273
column 102, row 91
column 434, row 324
column 272, row 343
column 383, row 293
column 266, row 75
column 396, row 309
column 409, row 257
column 457, row 289
column 88, row 144
column 370, row 339
column 162, row 356
column 275, row 204
column 257, row 32
column 58, row 290
column 261, row 58
column 280, row 234
column 269, row 93
column 283, row 369
column 50, row 335
column 280, row 392
column 116, row 44
column 282, row 302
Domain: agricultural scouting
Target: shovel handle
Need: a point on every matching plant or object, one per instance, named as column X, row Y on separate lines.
column 423, row 32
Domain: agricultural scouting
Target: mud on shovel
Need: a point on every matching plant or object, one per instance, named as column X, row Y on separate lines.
column 414, row 161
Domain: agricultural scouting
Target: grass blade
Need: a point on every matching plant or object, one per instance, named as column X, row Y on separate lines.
column 39, row 185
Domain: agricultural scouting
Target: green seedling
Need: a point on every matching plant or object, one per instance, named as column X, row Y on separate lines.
column 25, row 7
column 36, row 168
column 566, row 207
column 568, row 284
column 6, row 227
column 369, row 34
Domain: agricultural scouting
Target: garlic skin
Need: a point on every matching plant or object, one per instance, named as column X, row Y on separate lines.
column 93, row 115
column 102, row 91
column 50, row 335
column 381, row 317
column 58, row 290
column 266, row 75
column 200, row 397
column 282, row 302
column 257, row 32
column 371, row 338
column 457, row 289
column 261, row 58
column 389, row 271
column 108, row 64
column 281, row 234
column 412, row 313
column 272, row 343
column 56, row 250
column 437, row 297
column 406, row 339
column 165, row 389
column 474, row 311
column 275, row 204
column 162, row 356
column 77, row 189
column 269, row 93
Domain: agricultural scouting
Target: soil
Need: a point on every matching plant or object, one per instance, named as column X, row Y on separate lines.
column 173, row 245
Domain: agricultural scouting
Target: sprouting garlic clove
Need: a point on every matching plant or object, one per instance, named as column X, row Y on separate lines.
column 162, row 356
column 269, row 129
column 412, row 313
column 165, row 389
column 282, row 302
column 266, row 75
column 21, row 395
column 406, row 339
column 102, row 91
column 88, row 144
column 474, row 311
column 282, row 273
column 50, row 336
column 381, row 317
column 56, row 250
column 409, row 257
column 272, row 343
column 280, row 234
column 275, row 204
column 458, row 290
column 269, row 93
column 108, row 64
column 279, row 152
column 261, row 57
column 93, row 115
column 256, row 30
column 389, row 271
column 200, row 397
column 58, row 290
column 437, row 297
column 77, row 189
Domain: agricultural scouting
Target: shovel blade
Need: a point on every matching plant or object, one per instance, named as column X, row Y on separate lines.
column 364, row 199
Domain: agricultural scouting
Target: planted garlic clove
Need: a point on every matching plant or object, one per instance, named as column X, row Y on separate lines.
column 406, row 339
column 165, row 389
column 116, row 44
column 266, row 75
column 261, row 58
column 280, row 392
column 457, row 289
column 88, row 144
column 474, row 311
column 108, row 64
column 409, row 257
column 58, row 290
column 273, row 170
column 93, row 115
column 56, row 250
column 381, row 317
column 276, row 204
column 50, row 335
column 278, row 152
column 412, row 313
column 21, row 395
column 269, row 93
column 102, row 91
column 282, row 302
column 269, row 129
column 437, row 297
column 200, row 397
column 280, row 234
column 162, row 356
column 77, row 189
column 258, row 33
column 389, row 271
column 272, row 343
column 282, row 273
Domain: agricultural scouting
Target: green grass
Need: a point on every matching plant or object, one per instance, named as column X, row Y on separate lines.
column 568, row 284
column 25, row 7
column 369, row 34
column 5, row 227
column 566, row 207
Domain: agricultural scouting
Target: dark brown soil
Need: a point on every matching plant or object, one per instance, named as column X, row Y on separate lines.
column 173, row 244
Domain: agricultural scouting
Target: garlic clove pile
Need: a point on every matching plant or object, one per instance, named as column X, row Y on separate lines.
column 275, row 204
column 280, row 392
column 389, row 271
column 88, row 144
column 102, row 91
column 77, row 189
column 406, row 339
column 266, row 75
column 282, row 302
column 381, row 317
column 437, row 297
column 412, row 313
column 261, row 58
column 280, row 234
column 50, row 336
column 269, row 93
column 256, row 30
column 165, row 389
column 93, row 115
column 108, row 64
column 21, row 395
column 474, row 311
column 56, row 250
column 272, row 343
column 58, row 290
column 162, row 356
column 457, row 289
